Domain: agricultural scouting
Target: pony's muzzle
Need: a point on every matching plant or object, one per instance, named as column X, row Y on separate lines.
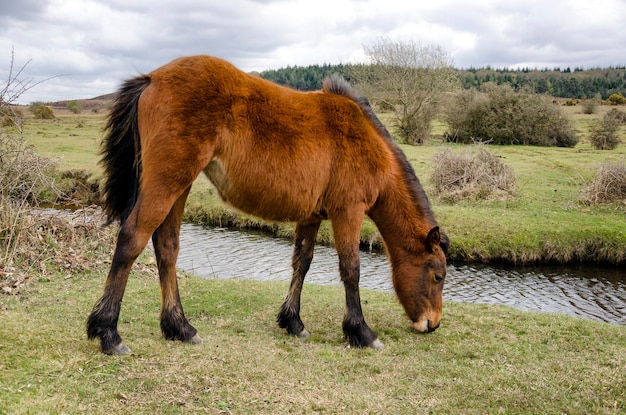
column 424, row 325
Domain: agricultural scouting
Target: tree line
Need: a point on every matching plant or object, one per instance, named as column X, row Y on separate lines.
column 304, row 78
column 561, row 83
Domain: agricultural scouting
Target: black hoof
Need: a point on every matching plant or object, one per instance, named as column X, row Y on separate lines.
column 360, row 335
column 291, row 322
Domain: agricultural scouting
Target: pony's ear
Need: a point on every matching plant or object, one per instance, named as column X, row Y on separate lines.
column 445, row 243
column 433, row 239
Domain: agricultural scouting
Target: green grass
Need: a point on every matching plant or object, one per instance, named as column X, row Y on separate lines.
column 484, row 359
column 72, row 139
column 544, row 222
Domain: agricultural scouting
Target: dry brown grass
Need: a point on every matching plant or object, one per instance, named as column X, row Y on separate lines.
column 472, row 173
column 608, row 185
column 54, row 240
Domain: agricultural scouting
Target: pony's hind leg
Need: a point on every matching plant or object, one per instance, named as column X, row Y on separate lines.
column 289, row 314
column 147, row 215
column 102, row 322
column 165, row 239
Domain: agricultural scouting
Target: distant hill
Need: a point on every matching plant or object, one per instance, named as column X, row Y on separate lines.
column 97, row 104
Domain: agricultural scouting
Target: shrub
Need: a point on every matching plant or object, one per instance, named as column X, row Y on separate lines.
column 608, row 185
column 10, row 117
column 416, row 130
column 590, row 106
column 41, row 111
column 74, row 107
column 79, row 187
column 23, row 176
column 619, row 116
column 501, row 116
column 604, row 133
column 616, row 99
column 473, row 173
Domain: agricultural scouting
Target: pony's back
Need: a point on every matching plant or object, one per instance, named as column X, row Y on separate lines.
column 278, row 153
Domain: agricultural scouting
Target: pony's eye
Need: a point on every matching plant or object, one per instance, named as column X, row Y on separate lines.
column 438, row 277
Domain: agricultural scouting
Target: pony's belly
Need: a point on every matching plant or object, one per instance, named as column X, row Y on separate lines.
column 262, row 198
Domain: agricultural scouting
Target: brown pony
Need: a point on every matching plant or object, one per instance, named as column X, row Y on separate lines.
column 272, row 152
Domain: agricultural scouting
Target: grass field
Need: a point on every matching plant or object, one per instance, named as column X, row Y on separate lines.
column 545, row 222
column 484, row 359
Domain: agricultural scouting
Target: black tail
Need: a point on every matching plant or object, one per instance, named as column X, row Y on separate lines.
column 121, row 152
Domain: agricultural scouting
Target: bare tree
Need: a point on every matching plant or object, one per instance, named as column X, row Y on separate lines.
column 411, row 79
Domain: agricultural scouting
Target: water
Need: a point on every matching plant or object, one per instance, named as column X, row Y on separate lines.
column 590, row 292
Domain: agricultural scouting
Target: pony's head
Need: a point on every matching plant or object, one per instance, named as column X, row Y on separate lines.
column 419, row 266
column 418, row 280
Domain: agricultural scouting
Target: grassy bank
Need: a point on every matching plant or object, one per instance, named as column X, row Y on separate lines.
column 545, row 222
column 484, row 359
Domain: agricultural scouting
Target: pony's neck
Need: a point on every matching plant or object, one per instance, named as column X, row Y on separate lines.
column 403, row 218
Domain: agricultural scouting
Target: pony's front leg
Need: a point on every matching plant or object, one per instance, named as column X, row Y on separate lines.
column 346, row 234
column 165, row 239
column 102, row 322
column 289, row 314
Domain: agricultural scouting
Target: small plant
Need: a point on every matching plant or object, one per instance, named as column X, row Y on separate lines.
column 608, row 185
column 473, row 173
column 604, row 133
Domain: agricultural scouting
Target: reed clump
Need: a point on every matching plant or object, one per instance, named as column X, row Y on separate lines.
column 608, row 185
column 472, row 173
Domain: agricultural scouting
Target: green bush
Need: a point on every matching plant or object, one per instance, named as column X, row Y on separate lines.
column 502, row 116
column 41, row 111
column 74, row 107
column 604, row 133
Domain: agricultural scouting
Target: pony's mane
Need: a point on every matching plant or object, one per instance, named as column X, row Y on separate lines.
column 337, row 85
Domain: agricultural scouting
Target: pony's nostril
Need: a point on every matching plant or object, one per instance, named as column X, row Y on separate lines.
column 432, row 328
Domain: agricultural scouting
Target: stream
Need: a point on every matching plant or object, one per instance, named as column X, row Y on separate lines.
column 595, row 293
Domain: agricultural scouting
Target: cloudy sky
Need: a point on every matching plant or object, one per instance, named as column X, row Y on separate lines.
column 90, row 46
